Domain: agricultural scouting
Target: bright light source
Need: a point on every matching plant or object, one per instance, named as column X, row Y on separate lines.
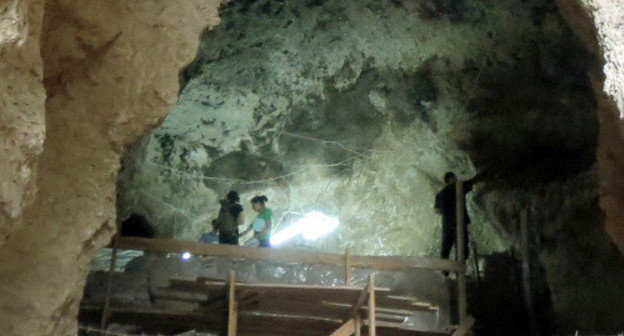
column 316, row 224
column 312, row 226
column 186, row 256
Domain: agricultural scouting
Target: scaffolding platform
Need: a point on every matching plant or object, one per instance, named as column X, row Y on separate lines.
column 231, row 306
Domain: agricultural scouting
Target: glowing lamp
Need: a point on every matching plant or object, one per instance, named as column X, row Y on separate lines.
column 312, row 226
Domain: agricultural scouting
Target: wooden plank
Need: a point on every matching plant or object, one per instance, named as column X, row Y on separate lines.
column 160, row 321
column 358, row 325
column 387, row 308
column 232, row 306
column 407, row 302
column 303, row 292
column 347, row 268
column 246, row 252
column 280, row 306
column 346, row 329
column 109, row 284
column 465, row 326
column 372, row 319
column 268, row 304
column 355, row 309
column 461, row 252
column 338, row 296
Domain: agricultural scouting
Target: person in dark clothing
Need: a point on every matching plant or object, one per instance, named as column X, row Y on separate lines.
column 230, row 217
column 137, row 226
column 445, row 205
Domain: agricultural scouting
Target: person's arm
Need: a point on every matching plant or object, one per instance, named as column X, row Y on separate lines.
column 436, row 206
column 476, row 179
column 246, row 231
column 468, row 185
column 241, row 219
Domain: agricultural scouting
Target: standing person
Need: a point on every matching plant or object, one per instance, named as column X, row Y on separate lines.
column 445, row 205
column 230, row 217
column 263, row 222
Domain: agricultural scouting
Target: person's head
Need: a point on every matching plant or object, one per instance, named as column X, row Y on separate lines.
column 450, row 178
column 233, row 197
column 258, row 202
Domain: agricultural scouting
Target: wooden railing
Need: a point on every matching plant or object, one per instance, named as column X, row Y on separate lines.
column 346, row 260
column 275, row 254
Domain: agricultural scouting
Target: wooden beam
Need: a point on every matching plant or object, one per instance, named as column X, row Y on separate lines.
column 358, row 325
column 161, row 321
column 355, row 309
column 204, row 249
column 283, row 291
column 347, row 267
column 372, row 319
column 461, row 252
column 390, row 306
column 232, row 306
column 346, row 329
column 465, row 326
column 109, row 284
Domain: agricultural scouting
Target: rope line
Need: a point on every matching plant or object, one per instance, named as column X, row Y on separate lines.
column 248, row 182
column 325, row 142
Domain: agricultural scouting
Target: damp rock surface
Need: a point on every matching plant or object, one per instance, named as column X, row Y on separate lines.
column 22, row 98
column 109, row 70
column 90, row 77
column 357, row 108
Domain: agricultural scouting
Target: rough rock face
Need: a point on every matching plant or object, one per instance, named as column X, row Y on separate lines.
column 22, row 99
column 108, row 68
column 357, row 108
column 110, row 73
column 599, row 23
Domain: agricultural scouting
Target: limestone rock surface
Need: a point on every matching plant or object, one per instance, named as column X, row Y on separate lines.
column 110, row 71
column 91, row 76
column 22, row 97
column 599, row 24
column 357, row 108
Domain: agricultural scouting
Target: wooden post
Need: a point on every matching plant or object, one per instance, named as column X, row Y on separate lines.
column 347, row 329
column 461, row 252
column 355, row 309
column 358, row 324
column 475, row 258
column 109, row 285
column 372, row 323
column 347, row 267
column 464, row 327
column 526, row 271
column 232, row 305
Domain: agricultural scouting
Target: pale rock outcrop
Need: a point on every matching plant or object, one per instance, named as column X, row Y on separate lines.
column 325, row 105
column 22, row 100
column 600, row 25
column 110, row 72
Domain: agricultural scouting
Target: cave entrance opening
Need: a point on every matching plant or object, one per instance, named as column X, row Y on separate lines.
column 326, row 106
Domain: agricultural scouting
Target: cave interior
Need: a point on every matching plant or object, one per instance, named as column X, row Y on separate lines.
column 350, row 111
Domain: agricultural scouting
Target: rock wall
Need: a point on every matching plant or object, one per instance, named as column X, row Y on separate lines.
column 108, row 70
column 599, row 24
column 110, row 73
column 326, row 105
column 22, row 100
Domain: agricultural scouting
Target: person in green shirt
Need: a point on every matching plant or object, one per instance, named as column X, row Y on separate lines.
column 261, row 225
